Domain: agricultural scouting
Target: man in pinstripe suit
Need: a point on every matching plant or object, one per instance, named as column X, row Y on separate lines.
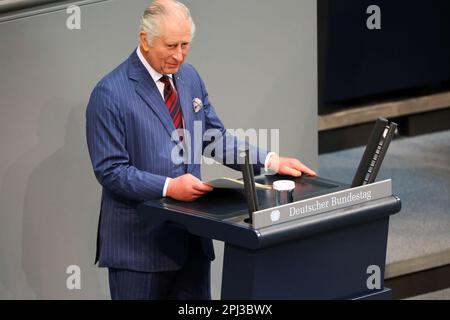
column 131, row 118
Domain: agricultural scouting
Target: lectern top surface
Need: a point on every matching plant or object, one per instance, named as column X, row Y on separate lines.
column 227, row 203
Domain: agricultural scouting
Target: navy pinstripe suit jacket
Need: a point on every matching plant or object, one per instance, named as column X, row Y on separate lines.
column 129, row 138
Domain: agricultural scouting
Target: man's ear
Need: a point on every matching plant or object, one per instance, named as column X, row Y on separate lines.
column 143, row 41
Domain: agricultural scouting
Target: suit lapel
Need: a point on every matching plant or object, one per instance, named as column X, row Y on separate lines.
column 154, row 100
column 147, row 90
column 186, row 107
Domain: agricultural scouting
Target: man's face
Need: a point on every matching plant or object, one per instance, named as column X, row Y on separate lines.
column 170, row 48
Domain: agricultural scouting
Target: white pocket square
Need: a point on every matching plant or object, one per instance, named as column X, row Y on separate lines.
column 197, row 104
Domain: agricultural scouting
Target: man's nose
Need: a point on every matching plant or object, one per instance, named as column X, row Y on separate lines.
column 178, row 55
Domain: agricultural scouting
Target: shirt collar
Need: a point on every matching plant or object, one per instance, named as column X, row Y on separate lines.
column 153, row 73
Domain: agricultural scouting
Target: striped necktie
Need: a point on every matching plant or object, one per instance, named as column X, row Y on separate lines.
column 172, row 102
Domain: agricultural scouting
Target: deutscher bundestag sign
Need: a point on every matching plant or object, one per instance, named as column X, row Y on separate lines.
column 321, row 204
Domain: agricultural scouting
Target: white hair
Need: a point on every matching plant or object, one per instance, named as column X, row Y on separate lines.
column 159, row 9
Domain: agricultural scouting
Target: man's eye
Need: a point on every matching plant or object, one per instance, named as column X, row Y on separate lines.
column 172, row 46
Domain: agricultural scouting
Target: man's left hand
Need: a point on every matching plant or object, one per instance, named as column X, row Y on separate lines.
column 289, row 166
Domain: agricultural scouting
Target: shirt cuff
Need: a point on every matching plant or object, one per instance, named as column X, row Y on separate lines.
column 166, row 185
column 266, row 162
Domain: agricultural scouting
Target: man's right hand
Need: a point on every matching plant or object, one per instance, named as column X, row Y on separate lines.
column 187, row 188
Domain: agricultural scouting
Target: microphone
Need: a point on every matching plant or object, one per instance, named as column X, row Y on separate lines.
column 249, row 180
column 380, row 138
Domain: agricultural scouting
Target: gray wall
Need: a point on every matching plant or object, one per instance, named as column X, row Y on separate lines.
column 258, row 60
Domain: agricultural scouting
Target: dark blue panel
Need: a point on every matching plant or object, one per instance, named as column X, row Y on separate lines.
column 411, row 50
